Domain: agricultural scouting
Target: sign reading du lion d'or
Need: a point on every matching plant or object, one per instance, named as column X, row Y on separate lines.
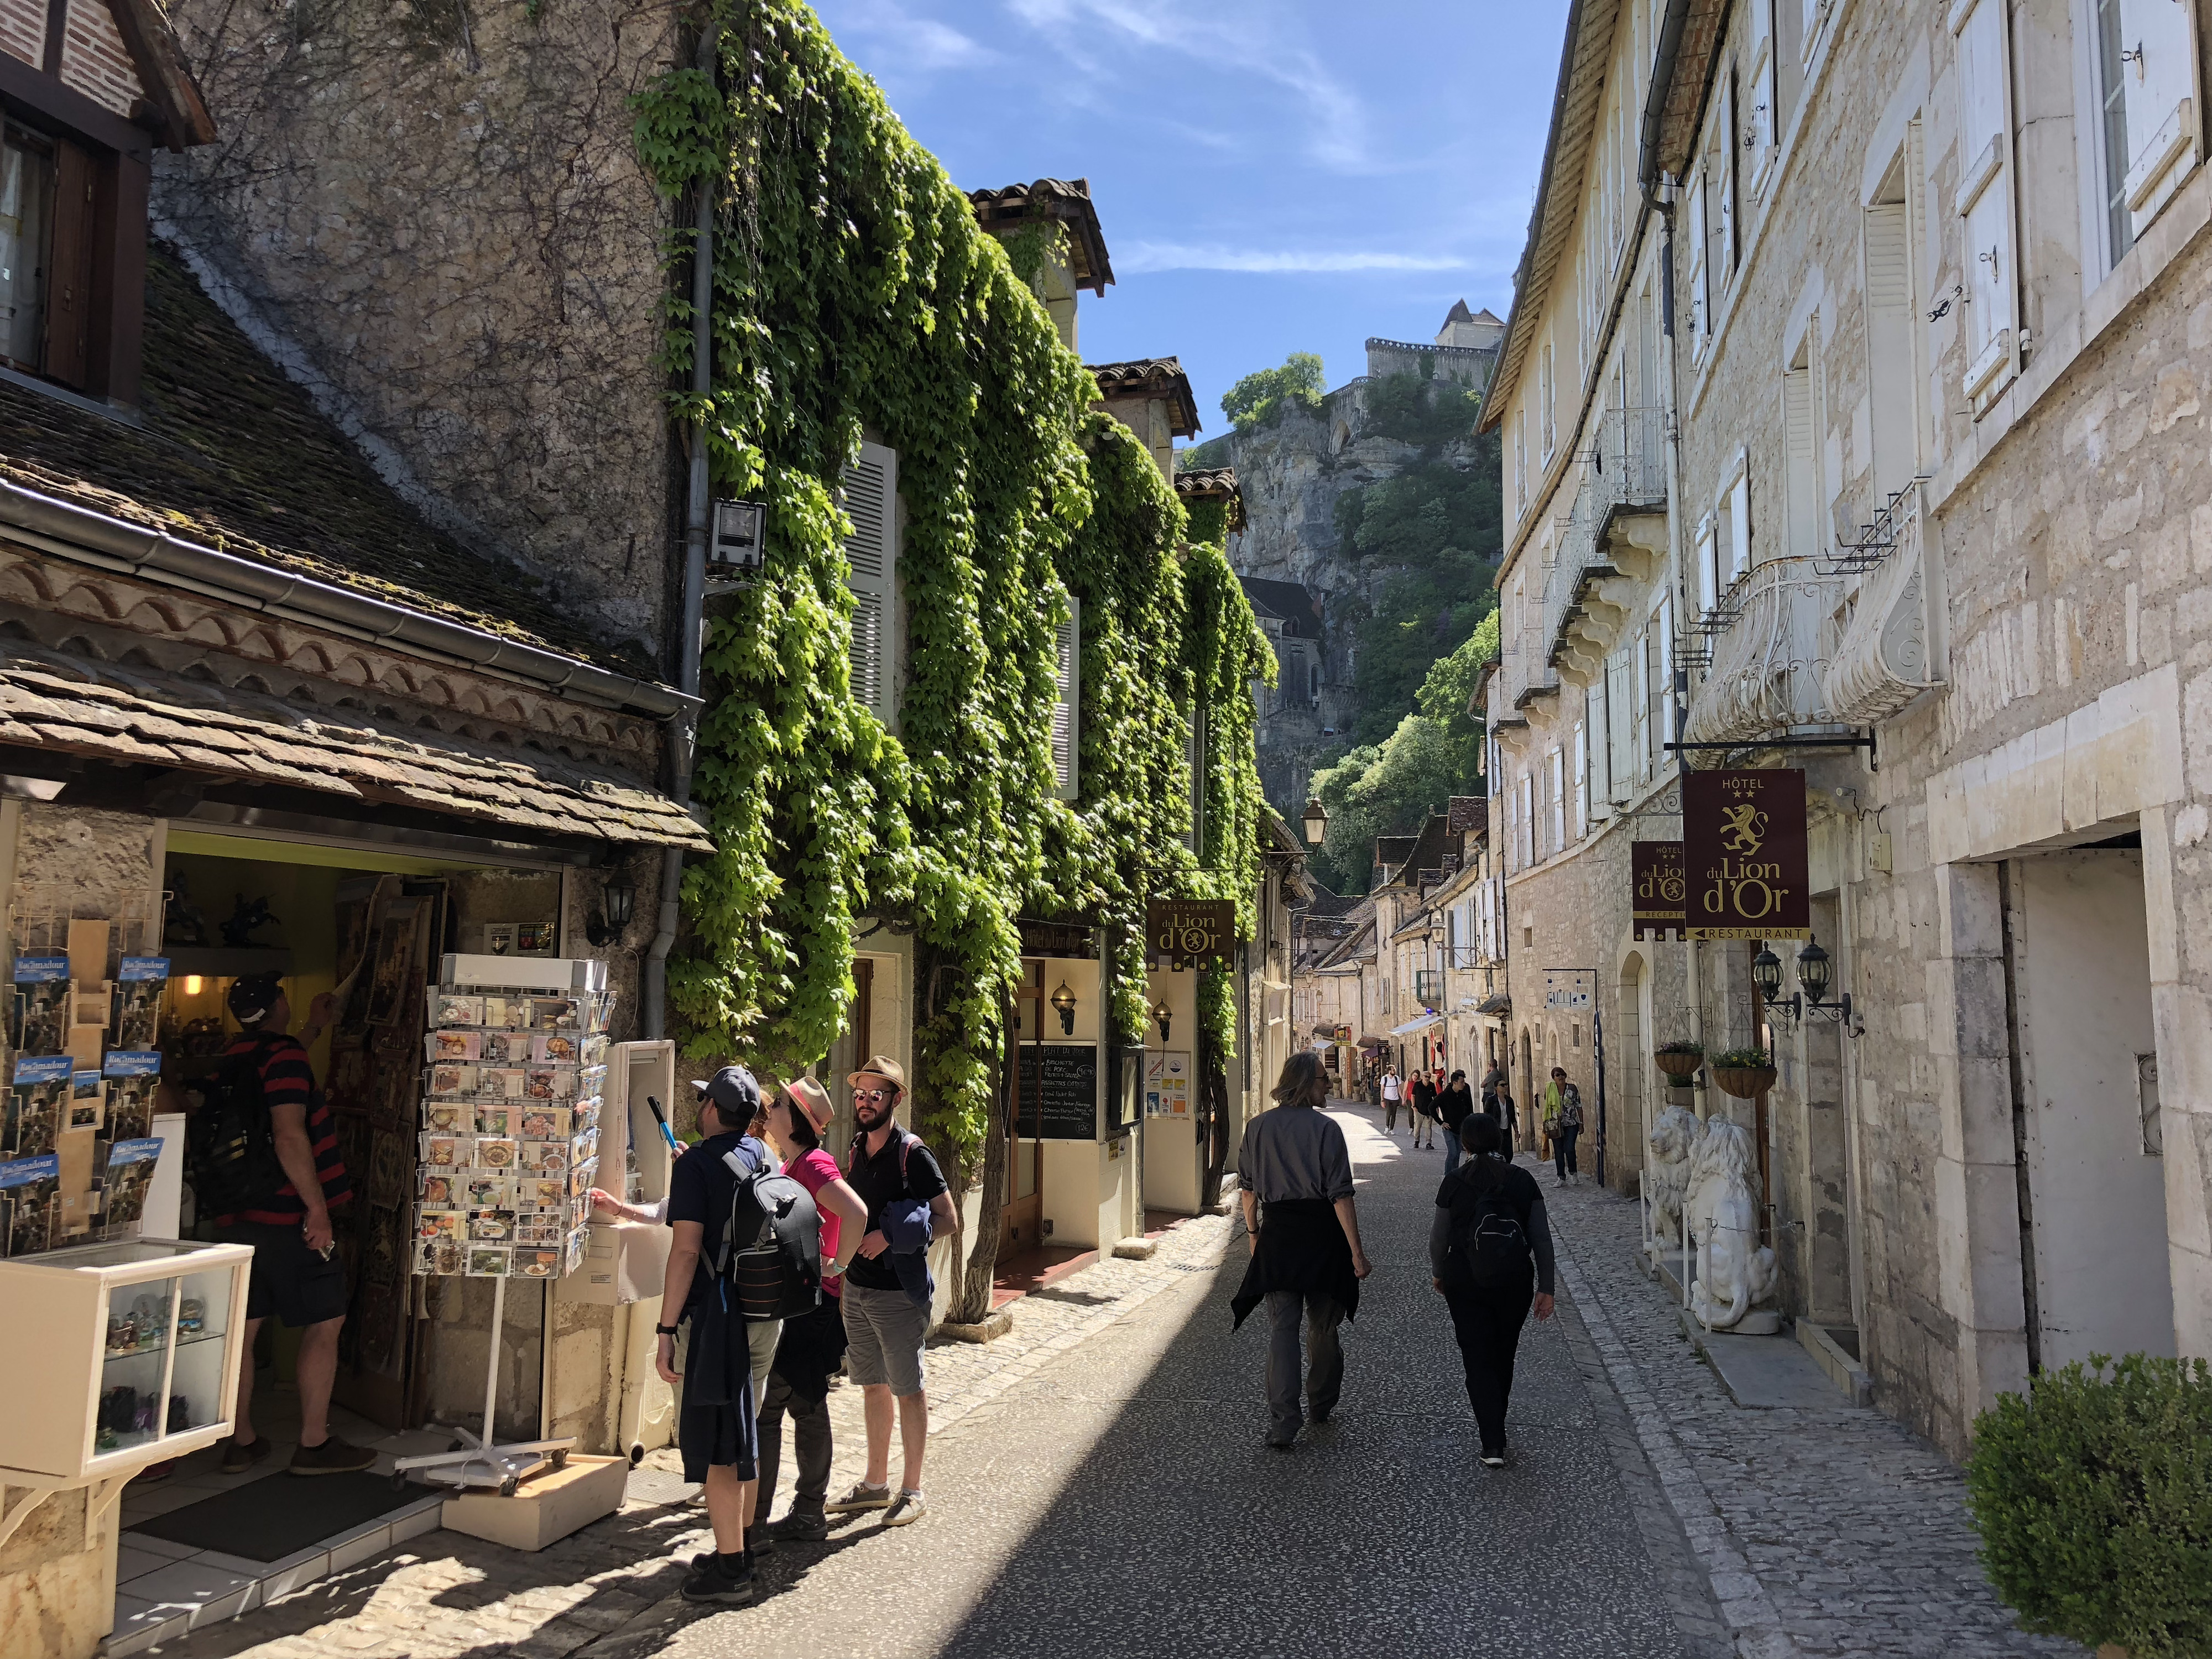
column 1190, row 932
column 1656, row 885
column 1744, row 850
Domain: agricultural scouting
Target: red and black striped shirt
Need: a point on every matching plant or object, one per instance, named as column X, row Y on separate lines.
column 286, row 1079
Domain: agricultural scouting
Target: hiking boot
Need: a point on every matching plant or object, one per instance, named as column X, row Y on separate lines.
column 801, row 1527
column 333, row 1456
column 906, row 1508
column 861, row 1498
column 717, row 1582
column 237, row 1459
column 759, row 1541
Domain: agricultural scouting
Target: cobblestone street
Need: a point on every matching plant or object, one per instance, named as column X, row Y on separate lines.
column 1097, row 1486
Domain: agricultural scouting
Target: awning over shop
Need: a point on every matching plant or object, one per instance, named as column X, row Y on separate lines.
column 1413, row 1025
column 142, row 717
column 1498, row 1005
column 1371, row 1042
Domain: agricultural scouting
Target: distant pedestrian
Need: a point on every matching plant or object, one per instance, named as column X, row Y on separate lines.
column 1507, row 1114
column 1391, row 1090
column 1294, row 1171
column 1422, row 1098
column 1563, row 1121
column 886, row 1300
column 811, row 1348
column 1454, row 1107
column 1489, row 1224
column 1493, row 1085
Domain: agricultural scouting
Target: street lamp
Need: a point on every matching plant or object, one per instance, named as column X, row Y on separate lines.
column 1161, row 1015
column 618, row 899
column 1063, row 1000
column 1766, row 974
column 1815, row 973
column 1315, row 822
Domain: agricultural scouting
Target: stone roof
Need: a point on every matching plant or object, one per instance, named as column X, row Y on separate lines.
column 231, row 454
column 1326, row 903
column 1214, row 484
column 141, row 717
column 1152, row 377
column 1289, row 601
column 1068, row 200
column 1467, row 812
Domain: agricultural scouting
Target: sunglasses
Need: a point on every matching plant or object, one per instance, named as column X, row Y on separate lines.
column 871, row 1094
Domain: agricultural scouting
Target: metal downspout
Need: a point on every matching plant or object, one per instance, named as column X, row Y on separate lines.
column 691, row 623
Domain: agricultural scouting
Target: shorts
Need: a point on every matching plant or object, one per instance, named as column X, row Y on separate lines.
column 885, row 1332
column 288, row 1279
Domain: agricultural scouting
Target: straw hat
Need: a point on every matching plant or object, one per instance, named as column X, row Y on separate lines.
column 809, row 1098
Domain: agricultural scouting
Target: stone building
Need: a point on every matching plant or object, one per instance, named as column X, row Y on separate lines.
column 1935, row 522
column 1071, row 249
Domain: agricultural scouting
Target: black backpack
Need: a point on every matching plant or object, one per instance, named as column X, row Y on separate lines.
column 1488, row 1247
column 771, row 1250
column 228, row 1141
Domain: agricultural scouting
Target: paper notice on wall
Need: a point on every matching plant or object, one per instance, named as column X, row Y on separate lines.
column 1166, row 1084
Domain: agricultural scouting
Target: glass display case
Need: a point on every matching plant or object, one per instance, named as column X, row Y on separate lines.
column 137, row 1346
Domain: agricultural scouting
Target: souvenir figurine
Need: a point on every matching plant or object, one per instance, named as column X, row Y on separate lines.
column 191, row 1315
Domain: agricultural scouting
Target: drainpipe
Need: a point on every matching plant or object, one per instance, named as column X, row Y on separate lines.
column 683, row 728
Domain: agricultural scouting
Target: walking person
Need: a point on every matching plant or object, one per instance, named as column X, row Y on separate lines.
column 1391, row 1089
column 1488, row 1226
column 1494, row 1086
column 1294, row 1172
column 1454, row 1107
column 812, row 1346
column 886, row 1292
column 1563, row 1113
column 716, row 1422
column 1420, row 1116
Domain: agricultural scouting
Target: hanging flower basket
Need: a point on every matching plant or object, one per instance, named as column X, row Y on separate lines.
column 1747, row 1074
column 1680, row 1060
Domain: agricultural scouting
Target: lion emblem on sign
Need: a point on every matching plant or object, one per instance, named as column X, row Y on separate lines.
column 1743, row 829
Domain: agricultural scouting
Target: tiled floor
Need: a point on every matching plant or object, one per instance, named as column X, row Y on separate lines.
column 164, row 1588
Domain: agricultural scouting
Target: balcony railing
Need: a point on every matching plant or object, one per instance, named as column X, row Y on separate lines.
column 1428, row 986
column 1771, row 645
column 1890, row 649
column 1609, row 543
column 1628, row 461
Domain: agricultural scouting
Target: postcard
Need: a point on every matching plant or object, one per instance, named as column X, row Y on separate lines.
column 493, row 1226
column 503, row 1047
column 453, row 1080
column 542, row 1123
column 499, row 1082
column 440, row 1224
column 435, row 1187
column 551, row 1157
column 441, row 1152
column 486, row 1192
column 449, row 1045
column 440, row 1257
column 555, row 1014
column 449, row 1117
column 131, row 1062
column 448, row 1008
column 88, row 1099
column 33, row 1118
column 554, row 1049
column 538, row 1264
column 129, row 1173
column 495, row 1120
column 495, row 1152
column 30, row 1195
column 549, row 1083
column 504, row 1011
column 486, row 1261
column 130, row 1107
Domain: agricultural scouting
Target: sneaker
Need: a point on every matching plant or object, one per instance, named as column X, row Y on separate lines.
column 715, row 1582
column 333, row 1456
column 906, row 1508
column 862, row 1496
column 1493, row 1460
column 237, row 1459
column 801, row 1527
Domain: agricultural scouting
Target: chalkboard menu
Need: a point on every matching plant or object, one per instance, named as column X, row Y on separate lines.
column 1068, row 1088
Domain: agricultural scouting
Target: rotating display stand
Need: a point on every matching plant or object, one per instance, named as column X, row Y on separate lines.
column 480, row 1461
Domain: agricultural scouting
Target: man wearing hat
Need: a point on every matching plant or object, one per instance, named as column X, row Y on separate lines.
column 297, row 1274
column 885, row 1327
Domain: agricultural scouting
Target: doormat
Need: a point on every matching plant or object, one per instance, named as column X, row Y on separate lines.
column 281, row 1514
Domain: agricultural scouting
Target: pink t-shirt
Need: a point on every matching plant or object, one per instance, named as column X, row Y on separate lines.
column 814, row 1171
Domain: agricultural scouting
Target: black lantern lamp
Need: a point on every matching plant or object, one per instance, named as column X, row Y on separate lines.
column 1315, row 820
column 1815, row 973
column 1063, row 1000
column 1766, row 974
column 1161, row 1015
column 618, row 900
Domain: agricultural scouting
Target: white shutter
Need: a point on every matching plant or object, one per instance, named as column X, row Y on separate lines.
column 1700, row 311
column 1739, row 547
column 1798, row 433
column 1985, row 196
column 1640, row 729
column 2158, row 80
column 1581, row 783
column 1709, row 588
column 1890, row 308
column 1725, row 131
column 1066, row 704
column 870, row 498
column 1759, row 125
column 1620, row 719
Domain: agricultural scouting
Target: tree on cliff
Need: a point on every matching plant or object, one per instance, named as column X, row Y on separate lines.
column 1254, row 400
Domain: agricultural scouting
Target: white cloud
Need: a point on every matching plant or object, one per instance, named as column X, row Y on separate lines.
column 908, row 43
column 1185, row 256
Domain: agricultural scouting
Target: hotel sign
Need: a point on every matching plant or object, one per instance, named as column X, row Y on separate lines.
column 1190, row 932
column 1656, row 887
column 1744, row 851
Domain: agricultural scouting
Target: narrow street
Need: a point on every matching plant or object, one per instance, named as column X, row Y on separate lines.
column 1099, row 1487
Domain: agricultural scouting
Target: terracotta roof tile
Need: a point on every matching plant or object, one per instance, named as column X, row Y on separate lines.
column 1067, row 200
column 1152, row 377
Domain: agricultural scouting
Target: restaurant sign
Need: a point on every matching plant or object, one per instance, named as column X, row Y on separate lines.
column 1190, row 932
column 1744, row 851
column 1656, row 886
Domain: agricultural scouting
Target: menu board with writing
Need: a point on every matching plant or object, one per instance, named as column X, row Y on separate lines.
column 1059, row 1090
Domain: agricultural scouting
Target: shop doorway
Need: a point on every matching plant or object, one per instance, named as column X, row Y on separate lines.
column 1021, row 1225
column 2086, row 1106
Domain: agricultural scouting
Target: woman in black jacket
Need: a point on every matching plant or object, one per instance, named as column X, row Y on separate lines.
column 1490, row 1227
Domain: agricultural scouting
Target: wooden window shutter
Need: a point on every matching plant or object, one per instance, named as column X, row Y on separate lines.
column 1985, row 197
column 1890, row 321
column 1066, row 705
column 1700, row 311
column 870, row 498
column 1762, row 126
column 1801, row 478
column 68, row 286
column 1739, row 547
column 2157, row 81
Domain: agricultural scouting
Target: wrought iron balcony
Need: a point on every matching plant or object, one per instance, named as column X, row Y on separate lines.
column 1428, row 987
column 1772, row 643
column 1890, row 649
column 1610, row 543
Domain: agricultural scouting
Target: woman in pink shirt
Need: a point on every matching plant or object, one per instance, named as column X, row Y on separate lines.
column 813, row 1344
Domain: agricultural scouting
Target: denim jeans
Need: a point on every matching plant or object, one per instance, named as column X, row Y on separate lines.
column 1451, row 1148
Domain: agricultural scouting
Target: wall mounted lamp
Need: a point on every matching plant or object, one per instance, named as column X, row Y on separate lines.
column 1063, row 1000
column 617, row 900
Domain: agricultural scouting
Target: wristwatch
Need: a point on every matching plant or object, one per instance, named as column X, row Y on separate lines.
column 664, row 1330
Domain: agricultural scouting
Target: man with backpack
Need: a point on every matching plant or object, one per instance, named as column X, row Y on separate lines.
column 1390, row 1090
column 1489, row 1224
column 886, row 1324
column 728, row 1275
column 266, row 1168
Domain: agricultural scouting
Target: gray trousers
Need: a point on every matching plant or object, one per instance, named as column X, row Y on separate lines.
column 1324, row 1375
column 811, row 1440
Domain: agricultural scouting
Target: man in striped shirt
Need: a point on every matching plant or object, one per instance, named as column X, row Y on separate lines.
column 297, row 1274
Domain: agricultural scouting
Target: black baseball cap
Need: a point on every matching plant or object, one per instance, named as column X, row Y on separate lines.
column 253, row 995
column 735, row 1092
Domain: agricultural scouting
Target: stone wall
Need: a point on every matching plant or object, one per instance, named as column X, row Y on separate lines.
column 434, row 217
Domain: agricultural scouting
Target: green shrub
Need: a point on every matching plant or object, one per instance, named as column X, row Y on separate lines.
column 2093, row 1499
column 1745, row 1059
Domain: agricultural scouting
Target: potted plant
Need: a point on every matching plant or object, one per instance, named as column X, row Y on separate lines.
column 1747, row 1074
column 1680, row 1059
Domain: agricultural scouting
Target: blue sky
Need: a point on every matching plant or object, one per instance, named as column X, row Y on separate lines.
column 1272, row 175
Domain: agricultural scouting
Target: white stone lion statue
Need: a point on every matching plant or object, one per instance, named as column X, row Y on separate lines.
column 1734, row 1271
column 1667, row 1172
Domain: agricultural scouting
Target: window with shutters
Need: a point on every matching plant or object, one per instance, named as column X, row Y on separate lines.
column 1709, row 570
column 1892, row 313
column 1694, row 234
column 1639, row 735
column 1662, row 688
column 1801, row 475
column 870, row 498
column 1581, row 781
column 1736, row 514
column 2146, row 51
column 1067, row 701
column 49, row 224
column 1547, row 410
column 1727, row 146
column 1559, row 798
column 1984, row 199
column 1760, row 119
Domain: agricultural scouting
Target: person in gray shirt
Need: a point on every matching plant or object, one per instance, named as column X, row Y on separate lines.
column 1294, row 1172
